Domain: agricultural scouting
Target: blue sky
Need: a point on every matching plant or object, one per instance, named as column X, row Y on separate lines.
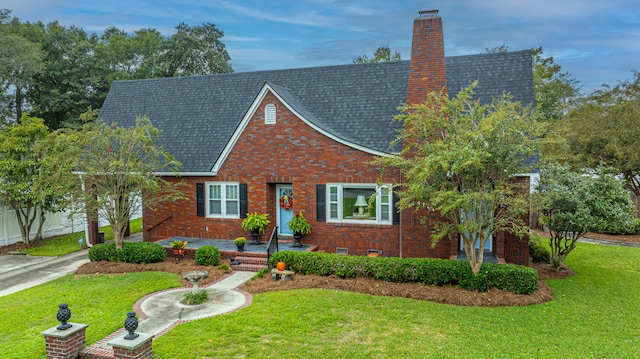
column 595, row 41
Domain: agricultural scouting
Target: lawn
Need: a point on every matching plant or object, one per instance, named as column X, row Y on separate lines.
column 68, row 243
column 595, row 314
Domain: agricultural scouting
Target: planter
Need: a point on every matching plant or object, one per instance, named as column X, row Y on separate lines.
column 254, row 236
column 297, row 236
column 240, row 247
column 178, row 253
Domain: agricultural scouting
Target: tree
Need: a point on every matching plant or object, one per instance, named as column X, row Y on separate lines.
column 603, row 131
column 192, row 51
column 34, row 173
column 382, row 54
column 459, row 160
column 554, row 90
column 20, row 61
column 117, row 165
column 573, row 204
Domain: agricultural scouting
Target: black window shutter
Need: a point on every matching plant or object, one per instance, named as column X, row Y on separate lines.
column 321, row 210
column 244, row 206
column 200, row 199
column 396, row 214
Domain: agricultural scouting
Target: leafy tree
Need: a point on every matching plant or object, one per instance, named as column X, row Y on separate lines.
column 117, row 165
column 194, row 50
column 459, row 160
column 554, row 90
column 20, row 60
column 34, row 173
column 382, row 54
column 573, row 204
column 603, row 131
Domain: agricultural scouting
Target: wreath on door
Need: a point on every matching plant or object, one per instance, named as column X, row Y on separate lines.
column 286, row 202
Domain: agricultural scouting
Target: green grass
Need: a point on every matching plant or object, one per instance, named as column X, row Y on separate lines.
column 595, row 314
column 68, row 243
column 100, row 301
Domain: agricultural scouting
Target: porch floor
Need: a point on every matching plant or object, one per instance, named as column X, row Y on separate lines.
column 228, row 245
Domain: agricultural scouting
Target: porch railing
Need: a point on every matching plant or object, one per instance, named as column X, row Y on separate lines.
column 272, row 245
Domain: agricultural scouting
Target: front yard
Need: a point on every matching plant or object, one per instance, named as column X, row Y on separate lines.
column 594, row 314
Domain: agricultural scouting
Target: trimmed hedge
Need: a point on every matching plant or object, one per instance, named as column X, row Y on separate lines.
column 432, row 271
column 136, row 252
column 208, row 256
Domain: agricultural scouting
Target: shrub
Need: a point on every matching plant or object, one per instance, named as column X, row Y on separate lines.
column 142, row 252
column 103, row 252
column 539, row 253
column 137, row 252
column 512, row 278
column 208, row 256
column 433, row 271
column 195, row 297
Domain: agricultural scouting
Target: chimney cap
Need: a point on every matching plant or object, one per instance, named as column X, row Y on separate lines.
column 428, row 13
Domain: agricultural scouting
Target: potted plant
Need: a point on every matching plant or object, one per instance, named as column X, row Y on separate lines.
column 240, row 242
column 300, row 226
column 178, row 248
column 255, row 223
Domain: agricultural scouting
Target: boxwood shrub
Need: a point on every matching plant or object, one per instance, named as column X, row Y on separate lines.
column 136, row 252
column 432, row 271
column 208, row 256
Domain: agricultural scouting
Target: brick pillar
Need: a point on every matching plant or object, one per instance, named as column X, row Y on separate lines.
column 63, row 344
column 139, row 348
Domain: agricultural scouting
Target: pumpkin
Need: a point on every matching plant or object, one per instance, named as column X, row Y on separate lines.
column 280, row 266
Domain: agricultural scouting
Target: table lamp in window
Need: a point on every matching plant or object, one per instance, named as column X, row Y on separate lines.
column 361, row 203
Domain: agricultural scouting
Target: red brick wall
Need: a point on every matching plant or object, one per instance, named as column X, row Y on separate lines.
column 288, row 152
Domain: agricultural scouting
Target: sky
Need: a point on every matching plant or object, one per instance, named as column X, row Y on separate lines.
column 595, row 41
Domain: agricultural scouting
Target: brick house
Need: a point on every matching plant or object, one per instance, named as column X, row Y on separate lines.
column 247, row 139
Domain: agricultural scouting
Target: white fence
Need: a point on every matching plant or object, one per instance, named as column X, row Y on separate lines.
column 55, row 224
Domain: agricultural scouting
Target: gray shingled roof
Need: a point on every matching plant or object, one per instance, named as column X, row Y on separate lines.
column 354, row 102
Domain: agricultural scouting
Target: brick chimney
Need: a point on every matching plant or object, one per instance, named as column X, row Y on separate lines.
column 427, row 71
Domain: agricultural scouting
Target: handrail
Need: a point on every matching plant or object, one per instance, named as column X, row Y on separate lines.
column 159, row 223
column 273, row 242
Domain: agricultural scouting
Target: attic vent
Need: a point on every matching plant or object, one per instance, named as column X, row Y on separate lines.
column 270, row 114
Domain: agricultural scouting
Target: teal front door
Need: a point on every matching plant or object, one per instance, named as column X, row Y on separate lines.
column 284, row 210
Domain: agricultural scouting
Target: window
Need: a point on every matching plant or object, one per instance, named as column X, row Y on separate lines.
column 270, row 114
column 359, row 203
column 223, row 200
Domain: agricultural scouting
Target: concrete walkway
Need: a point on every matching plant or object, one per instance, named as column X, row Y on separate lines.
column 161, row 311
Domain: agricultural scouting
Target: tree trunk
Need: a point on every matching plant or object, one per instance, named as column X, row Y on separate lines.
column 25, row 217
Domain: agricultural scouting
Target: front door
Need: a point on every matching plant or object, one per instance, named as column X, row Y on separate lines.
column 487, row 246
column 284, row 208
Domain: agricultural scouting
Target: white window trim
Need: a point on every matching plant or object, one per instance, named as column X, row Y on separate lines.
column 377, row 188
column 223, row 199
column 270, row 114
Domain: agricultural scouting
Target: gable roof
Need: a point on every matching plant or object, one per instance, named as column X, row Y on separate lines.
column 355, row 103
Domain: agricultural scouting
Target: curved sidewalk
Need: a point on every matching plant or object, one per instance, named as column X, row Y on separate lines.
column 161, row 311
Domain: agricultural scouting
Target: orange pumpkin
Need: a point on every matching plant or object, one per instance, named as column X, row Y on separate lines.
column 280, row 266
